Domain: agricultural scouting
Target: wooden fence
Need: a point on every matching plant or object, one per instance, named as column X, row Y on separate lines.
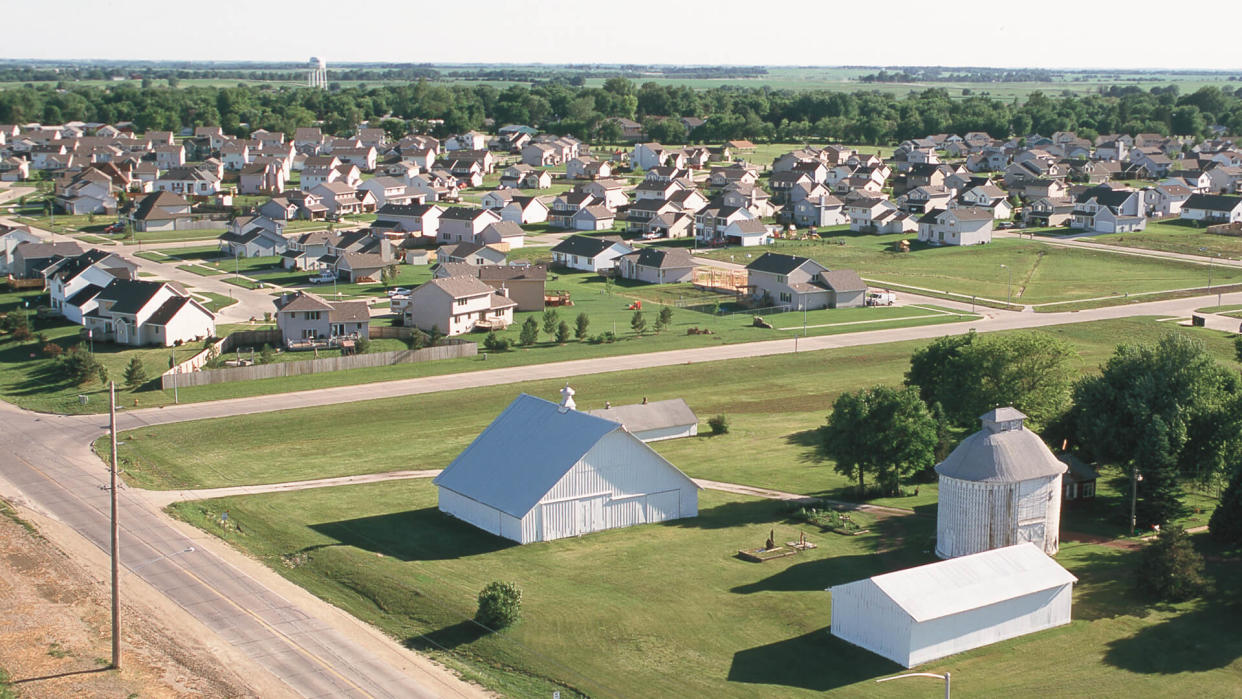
column 451, row 349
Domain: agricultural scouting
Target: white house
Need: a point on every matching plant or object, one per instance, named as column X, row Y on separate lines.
column 1000, row 486
column 456, row 305
column 590, row 253
column 542, row 471
column 1212, row 208
column 653, row 421
column 920, row 614
column 965, row 225
column 139, row 312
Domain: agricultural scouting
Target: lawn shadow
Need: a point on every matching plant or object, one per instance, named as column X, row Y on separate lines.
column 1105, row 587
column 816, row 661
column 818, row 575
column 414, row 535
column 463, row 633
column 811, row 442
column 737, row 513
column 1196, row 641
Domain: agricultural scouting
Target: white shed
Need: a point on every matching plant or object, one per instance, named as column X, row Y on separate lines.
column 652, row 422
column 920, row 614
column 1000, row 486
column 542, row 471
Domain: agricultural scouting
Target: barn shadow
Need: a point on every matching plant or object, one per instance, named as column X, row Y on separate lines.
column 737, row 513
column 414, row 535
column 816, row 661
column 817, row 575
column 1196, row 641
column 463, row 633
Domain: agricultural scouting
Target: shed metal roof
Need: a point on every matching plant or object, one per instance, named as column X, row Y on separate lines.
column 641, row 417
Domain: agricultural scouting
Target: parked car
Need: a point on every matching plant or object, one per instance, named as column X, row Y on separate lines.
column 324, row 277
column 881, row 298
column 398, row 291
column 117, row 227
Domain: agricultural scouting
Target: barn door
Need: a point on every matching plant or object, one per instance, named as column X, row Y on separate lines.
column 589, row 515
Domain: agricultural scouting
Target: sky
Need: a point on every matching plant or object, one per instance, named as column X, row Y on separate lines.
column 1051, row 34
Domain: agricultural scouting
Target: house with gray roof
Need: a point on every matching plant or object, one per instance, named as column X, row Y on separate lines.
column 657, row 265
column 590, row 253
column 1212, row 208
column 305, row 318
column 542, row 471
column 653, row 421
column 964, row 225
column 459, row 304
column 801, row 283
column 139, row 312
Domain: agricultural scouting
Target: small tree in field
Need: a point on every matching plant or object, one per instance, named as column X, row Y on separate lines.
column 1170, row 569
column 530, row 332
column 719, row 424
column 500, row 604
column 267, row 355
column 637, row 323
column 550, row 319
column 665, row 318
column 562, row 332
column 580, row 326
column 135, row 373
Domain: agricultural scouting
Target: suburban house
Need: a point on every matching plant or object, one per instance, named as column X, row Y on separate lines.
column 74, row 281
column 461, row 224
column 253, row 236
column 423, row 219
column 524, row 210
column 470, row 253
column 458, row 304
column 590, row 253
column 879, row 216
column 10, row 238
column 190, row 181
column 160, row 211
column 823, row 210
column 653, row 421
column 746, row 233
column 542, row 471
column 506, row 232
column 524, row 284
column 596, row 217
column 1104, row 210
column 303, row 318
column 263, row 176
column 966, row 225
column 803, row 284
column 1212, row 208
column 139, row 312
column 657, row 265
column 28, row 259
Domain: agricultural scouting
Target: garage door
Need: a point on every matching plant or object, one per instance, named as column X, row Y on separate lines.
column 663, row 506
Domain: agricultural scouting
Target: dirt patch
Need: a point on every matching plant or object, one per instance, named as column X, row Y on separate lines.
column 55, row 638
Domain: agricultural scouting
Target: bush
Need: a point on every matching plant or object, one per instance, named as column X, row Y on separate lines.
column 530, row 331
column 52, row 350
column 719, row 424
column 665, row 318
column 267, row 355
column 417, row 339
column 562, row 332
column 494, row 343
column 79, row 366
column 135, row 373
column 581, row 323
column 1226, row 522
column 500, row 604
column 1170, row 569
column 550, row 320
column 362, row 345
column 637, row 323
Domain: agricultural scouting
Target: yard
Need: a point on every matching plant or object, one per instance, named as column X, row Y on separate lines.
column 1177, row 237
column 669, row 610
column 1041, row 273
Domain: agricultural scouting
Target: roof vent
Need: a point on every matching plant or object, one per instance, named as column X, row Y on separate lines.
column 1002, row 420
column 567, row 399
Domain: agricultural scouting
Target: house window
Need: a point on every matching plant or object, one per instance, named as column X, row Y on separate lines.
column 460, row 302
column 311, row 315
column 786, row 297
column 780, row 279
column 1087, row 490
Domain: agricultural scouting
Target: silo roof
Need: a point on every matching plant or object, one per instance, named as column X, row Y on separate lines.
column 1009, row 456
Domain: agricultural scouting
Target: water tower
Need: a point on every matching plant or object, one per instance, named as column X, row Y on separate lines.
column 318, row 75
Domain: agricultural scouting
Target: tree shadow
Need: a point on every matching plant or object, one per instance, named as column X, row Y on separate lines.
column 1196, row 641
column 414, row 535
column 463, row 633
column 1105, row 587
column 811, row 442
column 815, row 661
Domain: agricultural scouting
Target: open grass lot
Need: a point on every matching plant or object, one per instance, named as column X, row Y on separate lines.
column 215, row 301
column 1041, row 273
column 1177, row 237
column 668, row 610
column 774, row 405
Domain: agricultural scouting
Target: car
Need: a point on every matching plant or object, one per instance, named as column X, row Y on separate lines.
column 117, row 227
column 324, row 277
column 398, row 291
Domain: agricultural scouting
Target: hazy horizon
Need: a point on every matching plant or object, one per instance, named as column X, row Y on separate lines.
column 973, row 33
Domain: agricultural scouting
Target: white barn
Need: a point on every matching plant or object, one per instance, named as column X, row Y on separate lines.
column 542, row 471
column 920, row 614
column 652, row 422
column 1001, row 486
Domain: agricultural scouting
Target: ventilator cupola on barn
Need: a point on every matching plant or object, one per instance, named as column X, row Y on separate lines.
column 999, row 487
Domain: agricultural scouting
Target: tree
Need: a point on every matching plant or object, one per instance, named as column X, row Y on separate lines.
column 530, row 332
column 1170, row 569
column 267, row 355
column 637, row 323
column 1145, row 409
column 500, row 604
column 664, row 319
column 581, row 324
column 78, row 365
column 1226, row 522
column 719, row 424
column 550, row 319
column 883, row 431
column 494, row 343
column 362, row 345
column 135, row 373
column 562, row 332
column 969, row 375
column 388, row 275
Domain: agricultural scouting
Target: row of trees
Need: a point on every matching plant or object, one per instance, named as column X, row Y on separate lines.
column 1165, row 414
column 757, row 113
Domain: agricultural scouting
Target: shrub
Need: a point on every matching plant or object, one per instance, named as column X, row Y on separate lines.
column 637, row 323
column 135, row 373
column 1170, row 569
column 101, row 372
column 562, row 332
column 550, row 320
column 494, row 343
column 79, row 366
column 22, row 333
column 665, row 318
column 417, row 339
column 719, row 424
column 362, row 345
column 52, row 350
column 581, row 323
column 530, row 331
column 610, row 337
column 500, row 604
column 267, row 355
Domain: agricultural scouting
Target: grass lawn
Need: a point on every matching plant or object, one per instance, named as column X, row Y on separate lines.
column 215, row 301
column 668, row 609
column 1179, row 237
column 201, row 270
column 242, row 282
column 153, row 256
column 173, row 236
column 1041, row 273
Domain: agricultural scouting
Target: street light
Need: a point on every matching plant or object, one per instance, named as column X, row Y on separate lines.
column 1210, row 259
column 1009, row 298
column 933, row 675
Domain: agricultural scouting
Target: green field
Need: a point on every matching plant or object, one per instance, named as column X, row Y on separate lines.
column 1042, row 273
column 1176, row 237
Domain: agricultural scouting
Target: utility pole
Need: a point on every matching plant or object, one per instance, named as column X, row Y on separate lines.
column 1009, row 298
column 116, row 566
column 173, row 359
column 1134, row 479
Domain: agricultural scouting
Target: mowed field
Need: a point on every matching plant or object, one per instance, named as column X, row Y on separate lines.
column 668, row 610
column 1042, row 273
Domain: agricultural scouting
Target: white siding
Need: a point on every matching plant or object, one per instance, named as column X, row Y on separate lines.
column 482, row 516
column 674, row 432
column 957, row 633
column 863, row 615
column 973, row 517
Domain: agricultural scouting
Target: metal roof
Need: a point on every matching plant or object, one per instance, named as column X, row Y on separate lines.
column 641, row 417
column 960, row 584
column 1006, row 456
column 517, row 459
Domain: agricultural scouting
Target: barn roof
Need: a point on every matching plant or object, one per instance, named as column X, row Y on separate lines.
column 641, row 417
column 960, row 584
column 517, row 459
column 1001, row 456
